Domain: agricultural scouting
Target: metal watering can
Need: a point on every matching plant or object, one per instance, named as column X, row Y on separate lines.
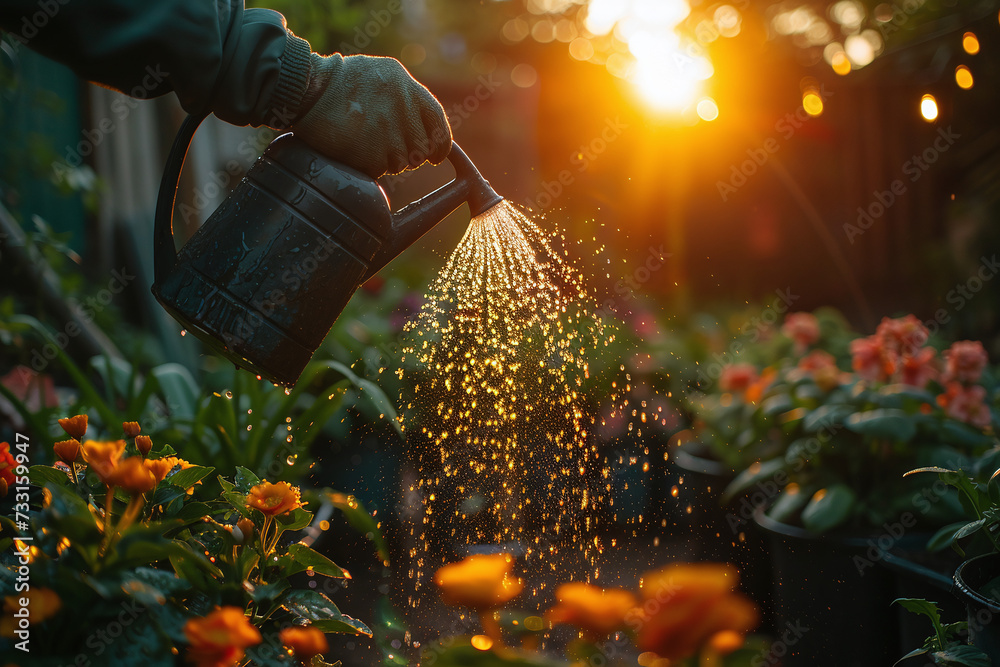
column 263, row 280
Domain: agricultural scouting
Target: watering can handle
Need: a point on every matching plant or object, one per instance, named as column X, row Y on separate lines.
column 164, row 253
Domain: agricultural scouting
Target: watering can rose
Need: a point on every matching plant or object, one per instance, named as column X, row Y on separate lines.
column 596, row 611
column 480, row 581
column 274, row 499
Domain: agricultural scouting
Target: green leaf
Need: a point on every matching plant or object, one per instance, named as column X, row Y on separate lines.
column 936, row 469
column 963, row 435
column 188, row 477
column 923, row 607
column 945, row 537
column 178, row 388
column 888, row 423
column 45, row 475
column 165, row 493
column 268, row 592
column 961, row 654
column 245, row 479
column 757, row 472
column 359, row 519
column 970, row 528
column 322, row 613
column 295, row 520
column 829, row 509
column 912, row 654
column 320, row 564
column 788, row 505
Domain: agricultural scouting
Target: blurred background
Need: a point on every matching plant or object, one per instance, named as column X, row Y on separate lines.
column 706, row 160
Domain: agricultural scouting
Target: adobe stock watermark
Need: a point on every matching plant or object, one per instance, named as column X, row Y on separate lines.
column 914, row 168
column 753, row 329
column 901, row 13
column 120, row 108
column 789, row 637
column 371, row 29
column 87, row 311
column 786, row 127
column 626, row 288
column 580, row 160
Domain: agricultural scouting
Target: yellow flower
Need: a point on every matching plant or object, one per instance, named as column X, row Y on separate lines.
column 75, row 426
column 132, row 476
column 596, row 611
column 131, row 429
column 103, row 456
column 67, row 450
column 274, row 499
column 306, row 642
column 43, row 604
column 219, row 639
column 687, row 605
column 480, row 581
column 160, row 467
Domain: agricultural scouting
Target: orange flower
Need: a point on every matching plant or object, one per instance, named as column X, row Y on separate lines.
column 160, row 467
column 273, row 499
column 686, row 605
column 67, row 451
column 75, row 427
column 7, row 464
column 920, row 368
column 480, row 581
column 3, row 487
column 43, row 604
column 803, row 328
column 737, row 377
column 219, row 639
column 597, row 611
column 143, row 443
column 132, row 429
column 103, row 456
column 822, row 366
column 133, row 476
column 305, row 642
column 966, row 360
column 246, row 529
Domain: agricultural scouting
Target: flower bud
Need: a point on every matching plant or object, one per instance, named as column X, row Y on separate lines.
column 247, row 528
column 75, row 426
column 131, row 429
column 143, row 443
column 67, row 450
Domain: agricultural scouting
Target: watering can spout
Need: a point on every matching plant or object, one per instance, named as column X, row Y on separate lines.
column 416, row 219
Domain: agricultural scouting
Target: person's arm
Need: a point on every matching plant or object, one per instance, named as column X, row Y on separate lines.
column 241, row 64
column 244, row 66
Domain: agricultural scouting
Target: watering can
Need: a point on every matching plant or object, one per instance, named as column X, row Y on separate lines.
column 263, row 280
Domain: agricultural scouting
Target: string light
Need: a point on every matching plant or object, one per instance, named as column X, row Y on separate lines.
column 963, row 77
column 928, row 108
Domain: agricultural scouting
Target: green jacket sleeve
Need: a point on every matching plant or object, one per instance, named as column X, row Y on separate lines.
column 241, row 64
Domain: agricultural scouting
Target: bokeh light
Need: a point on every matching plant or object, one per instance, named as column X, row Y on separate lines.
column 524, row 75
column 970, row 43
column 928, row 108
column 812, row 103
column 963, row 77
column 707, row 109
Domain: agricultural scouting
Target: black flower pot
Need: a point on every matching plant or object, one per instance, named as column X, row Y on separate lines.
column 722, row 533
column 828, row 611
column 976, row 585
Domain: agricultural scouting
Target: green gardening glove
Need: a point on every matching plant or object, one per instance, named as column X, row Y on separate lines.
column 370, row 114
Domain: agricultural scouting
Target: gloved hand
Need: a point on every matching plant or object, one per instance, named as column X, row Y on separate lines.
column 370, row 114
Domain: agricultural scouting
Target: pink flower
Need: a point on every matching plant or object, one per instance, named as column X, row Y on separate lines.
column 919, row 369
column 822, row 366
column 803, row 328
column 966, row 360
column 966, row 404
column 869, row 359
column 737, row 377
column 904, row 335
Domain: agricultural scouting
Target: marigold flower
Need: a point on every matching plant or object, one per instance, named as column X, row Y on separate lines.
column 903, row 335
column 686, row 605
column 67, row 451
column 219, row 639
column 802, row 328
column 737, row 377
column 103, row 456
column 7, row 464
column 143, row 443
column 133, row 476
column 43, row 604
column 966, row 404
column 131, row 429
column 725, row 642
column 596, row 611
column 918, row 369
column 965, row 361
column 75, row 426
column 480, row 582
column 274, row 499
column 160, row 467
column 306, row 642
